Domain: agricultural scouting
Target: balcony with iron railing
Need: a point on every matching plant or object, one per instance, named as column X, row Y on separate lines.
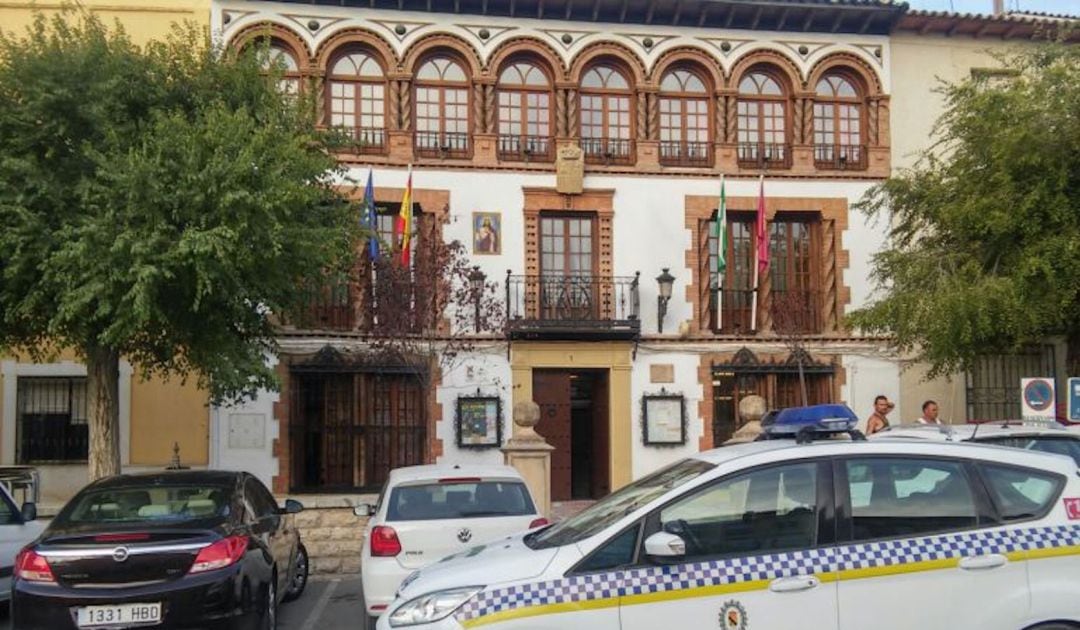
column 526, row 148
column 608, row 151
column 332, row 307
column 763, row 155
column 435, row 144
column 732, row 311
column 840, row 157
column 795, row 311
column 573, row 307
column 360, row 140
column 680, row 153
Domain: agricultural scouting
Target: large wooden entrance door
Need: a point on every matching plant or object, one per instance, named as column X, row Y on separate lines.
column 551, row 391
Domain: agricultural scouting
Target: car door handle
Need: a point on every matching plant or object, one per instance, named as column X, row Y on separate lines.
column 794, row 584
column 979, row 563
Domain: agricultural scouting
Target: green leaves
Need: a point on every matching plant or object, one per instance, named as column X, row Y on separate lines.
column 165, row 202
column 984, row 238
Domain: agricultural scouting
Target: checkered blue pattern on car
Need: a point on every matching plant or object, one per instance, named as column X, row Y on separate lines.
column 735, row 571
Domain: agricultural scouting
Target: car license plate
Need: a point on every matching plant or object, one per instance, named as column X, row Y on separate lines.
column 118, row 615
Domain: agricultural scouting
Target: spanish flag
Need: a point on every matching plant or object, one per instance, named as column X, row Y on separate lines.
column 403, row 227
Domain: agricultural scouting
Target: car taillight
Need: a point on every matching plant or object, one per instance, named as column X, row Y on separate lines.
column 32, row 567
column 540, row 522
column 384, row 542
column 225, row 552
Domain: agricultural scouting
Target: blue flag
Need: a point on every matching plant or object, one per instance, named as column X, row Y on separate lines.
column 369, row 219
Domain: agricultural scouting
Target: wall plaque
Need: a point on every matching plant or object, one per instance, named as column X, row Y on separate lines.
column 570, row 170
column 479, row 421
column 663, row 419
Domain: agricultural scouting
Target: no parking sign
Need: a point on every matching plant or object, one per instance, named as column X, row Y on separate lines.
column 1037, row 398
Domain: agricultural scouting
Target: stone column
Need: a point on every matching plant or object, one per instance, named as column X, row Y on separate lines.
column 751, row 411
column 530, row 454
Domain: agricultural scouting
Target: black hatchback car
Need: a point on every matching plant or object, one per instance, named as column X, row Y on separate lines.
column 190, row 549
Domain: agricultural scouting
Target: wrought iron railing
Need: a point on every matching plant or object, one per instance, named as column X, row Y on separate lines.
column 608, row 150
column 764, row 155
column 443, row 144
column 360, row 140
column 841, row 157
column 526, row 148
column 795, row 311
column 573, row 304
column 732, row 311
column 679, row 153
column 331, row 308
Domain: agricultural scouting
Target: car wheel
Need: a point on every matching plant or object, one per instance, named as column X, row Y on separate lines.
column 269, row 614
column 300, row 575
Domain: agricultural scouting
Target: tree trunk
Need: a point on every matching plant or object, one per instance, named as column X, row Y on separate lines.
column 103, row 396
column 802, row 382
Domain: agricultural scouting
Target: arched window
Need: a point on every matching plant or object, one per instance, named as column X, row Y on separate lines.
column 762, row 122
column 356, row 99
column 838, row 138
column 606, row 121
column 524, row 113
column 684, row 119
column 280, row 57
column 442, row 109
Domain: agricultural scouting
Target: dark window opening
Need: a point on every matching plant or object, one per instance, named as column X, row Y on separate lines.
column 51, row 419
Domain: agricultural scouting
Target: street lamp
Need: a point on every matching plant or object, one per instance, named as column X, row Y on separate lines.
column 476, row 283
column 666, row 281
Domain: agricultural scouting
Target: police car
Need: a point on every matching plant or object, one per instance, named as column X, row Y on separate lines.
column 787, row 533
column 1048, row 437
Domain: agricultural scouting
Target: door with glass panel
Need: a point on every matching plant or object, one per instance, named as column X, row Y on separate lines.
column 568, row 290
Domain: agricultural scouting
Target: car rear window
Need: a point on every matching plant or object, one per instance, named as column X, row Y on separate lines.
column 1058, row 445
column 151, row 503
column 1022, row 493
column 459, row 499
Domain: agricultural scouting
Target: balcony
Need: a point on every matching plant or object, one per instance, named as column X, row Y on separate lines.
column 434, row 144
column 796, row 312
column 526, row 149
column 608, row 151
column 840, row 157
column 362, row 141
column 678, row 153
column 764, row 155
column 331, row 308
column 572, row 307
column 733, row 314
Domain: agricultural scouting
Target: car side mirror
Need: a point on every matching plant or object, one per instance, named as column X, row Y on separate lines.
column 293, row 507
column 665, row 545
column 364, row 510
column 29, row 511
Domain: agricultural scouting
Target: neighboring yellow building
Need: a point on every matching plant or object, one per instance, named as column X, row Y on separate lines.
column 42, row 408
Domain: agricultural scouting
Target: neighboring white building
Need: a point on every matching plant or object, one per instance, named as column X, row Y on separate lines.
column 490, row 102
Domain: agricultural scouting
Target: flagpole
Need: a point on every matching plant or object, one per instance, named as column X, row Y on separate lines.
column 757, row 263
column 721, row 237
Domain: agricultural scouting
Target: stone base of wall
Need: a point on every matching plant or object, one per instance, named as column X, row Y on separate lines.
column 332, row 534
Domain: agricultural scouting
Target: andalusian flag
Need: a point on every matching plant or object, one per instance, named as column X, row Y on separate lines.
column 403, row 227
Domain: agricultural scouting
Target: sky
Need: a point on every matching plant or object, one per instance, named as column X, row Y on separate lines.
column 1070, row 7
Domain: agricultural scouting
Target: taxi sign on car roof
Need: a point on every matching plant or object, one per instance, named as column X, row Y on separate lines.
column 805, row 423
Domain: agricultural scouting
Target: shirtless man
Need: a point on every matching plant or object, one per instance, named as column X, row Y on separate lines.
column 878, row 420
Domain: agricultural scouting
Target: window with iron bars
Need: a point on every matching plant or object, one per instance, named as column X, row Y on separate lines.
column 51, row 420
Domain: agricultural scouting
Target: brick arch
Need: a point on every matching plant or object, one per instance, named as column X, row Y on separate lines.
column 690, row 57
column 852, row 66
column 780, row 63
column 356, row 37
column 527, row 47
column 623, row 56
column 442, row 42
column 278, row 32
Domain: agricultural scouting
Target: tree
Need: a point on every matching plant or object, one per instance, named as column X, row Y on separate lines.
column 161, row 204
column 983, row 250
column 792, row 315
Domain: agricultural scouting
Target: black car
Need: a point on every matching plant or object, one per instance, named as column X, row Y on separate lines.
column 186, row 549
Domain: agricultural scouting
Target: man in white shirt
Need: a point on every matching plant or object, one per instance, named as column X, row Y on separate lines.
column 929, row 413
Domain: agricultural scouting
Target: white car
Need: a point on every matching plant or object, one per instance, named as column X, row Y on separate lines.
column 18, row 528
column 1049, row 437
column 425, row 513
column 776, row 535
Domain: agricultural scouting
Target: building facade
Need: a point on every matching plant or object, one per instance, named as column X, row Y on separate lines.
column 496, row 106
column 43, row 420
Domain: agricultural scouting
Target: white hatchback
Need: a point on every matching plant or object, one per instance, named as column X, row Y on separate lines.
column 1047, row 437
column 425, row 513
column 775, row 535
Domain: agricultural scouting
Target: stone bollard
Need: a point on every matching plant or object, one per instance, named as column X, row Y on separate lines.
column 530, row 454
column 751, row 411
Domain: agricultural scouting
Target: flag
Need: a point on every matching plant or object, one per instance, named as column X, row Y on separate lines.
column 720, row 232
column 761, row 233
column 369, row 219
column 403, row 226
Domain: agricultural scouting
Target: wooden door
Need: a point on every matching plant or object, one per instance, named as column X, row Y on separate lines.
column 551, row 391
column 601, row 446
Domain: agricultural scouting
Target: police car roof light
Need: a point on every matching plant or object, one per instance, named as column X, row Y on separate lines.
column 806, row 423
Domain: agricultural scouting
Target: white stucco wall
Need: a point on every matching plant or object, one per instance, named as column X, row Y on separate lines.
column 870, row 374
column 242, row 436
column 648, row 458
column 485, row 372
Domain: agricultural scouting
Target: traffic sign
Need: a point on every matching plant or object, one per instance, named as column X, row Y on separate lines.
column 1037, row 398
column 1074, row 399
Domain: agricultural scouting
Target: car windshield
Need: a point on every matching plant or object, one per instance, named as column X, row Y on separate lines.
column 458, row 499
column 148, row 504
column 1059, row 445
column 611, row 508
